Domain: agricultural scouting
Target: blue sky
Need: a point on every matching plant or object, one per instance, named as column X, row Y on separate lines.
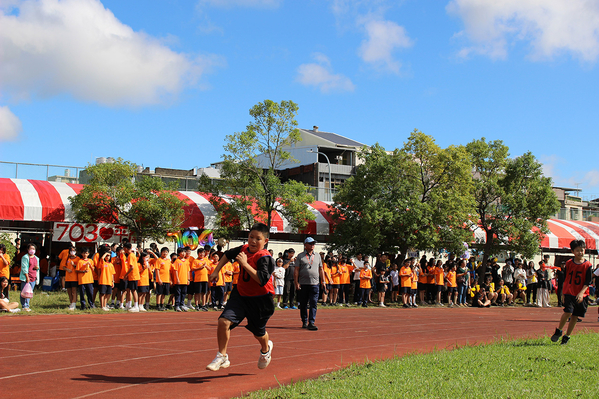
column 160, row 83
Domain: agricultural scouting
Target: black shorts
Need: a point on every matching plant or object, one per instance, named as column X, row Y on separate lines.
column 438, row 288
column 381, row 287
column 577, row 309
column 96, row 284
column 335, row 286
column 62, row 273
column 123, row 285
column 406, row 290
column 172, row 289
column 163, row 289
column 104, row 289
column 422, row 286
column 413, row 291
column 200, row 287
column 256, row 309
column 229, row 286
column 71, row 284
column 132, row 285
column 191, row 288
column 395, row 288
column 143, row 289
column 451, row 290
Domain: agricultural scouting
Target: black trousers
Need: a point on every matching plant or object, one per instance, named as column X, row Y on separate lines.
column 289, row 293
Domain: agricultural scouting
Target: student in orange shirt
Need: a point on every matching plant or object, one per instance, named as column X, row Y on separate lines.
column 344, row 280
column 228, row 275
column 422, row 283
column 190, row 288
column 328, row 282
column 405, row 275
column 4, row 268
column 217, row 287
column 130, row 276
column 96, row 258
column 143, row 287
column 117, row 293
column 63, row 256
column 71, row 280
column 365, row 277
column 162, row 276
column 439, row 280
column 105, row 279
column 181, row 274
column 85, row 279
column 200, row 280
column 414, row 289
column 336, row 276
column 171, row 298
column 452, row 286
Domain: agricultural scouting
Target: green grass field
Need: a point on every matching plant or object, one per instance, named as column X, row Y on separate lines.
column 533, row 368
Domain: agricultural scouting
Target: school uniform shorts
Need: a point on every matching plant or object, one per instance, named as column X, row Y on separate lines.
column 256, row 309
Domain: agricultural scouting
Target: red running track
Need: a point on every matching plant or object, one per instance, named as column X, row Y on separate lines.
column 159, row 355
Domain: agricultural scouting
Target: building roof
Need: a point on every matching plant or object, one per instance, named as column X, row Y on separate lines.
column 334, row 138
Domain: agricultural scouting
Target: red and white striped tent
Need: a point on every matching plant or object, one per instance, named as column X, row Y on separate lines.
column 43, row 201
column 561, row 233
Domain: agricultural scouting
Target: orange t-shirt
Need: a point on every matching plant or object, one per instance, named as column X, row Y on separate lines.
column 451, row 279
column 221, row 281
column 63, row 256
column 344, row 278
column 405, row 273
column 365, row 276
column 414, row 281
column 96, row 259
column 228, row 267
column 430, row 270
column 200, row 269
column 327, row 275
column 144, row 275
column 129, row 262
column 335, row 274
column 163, row 267
column 236, row 272
column 5, row 267
column 181, row 268
column 71, row 263
column 88, row 277
column 105, row 273
column 439, row 276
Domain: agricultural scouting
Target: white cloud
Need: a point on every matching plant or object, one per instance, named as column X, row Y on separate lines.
column 383, row 38
column 592, row 178
column 551, row 26
column 79, row 47
column 320, row 75
column 10, row 125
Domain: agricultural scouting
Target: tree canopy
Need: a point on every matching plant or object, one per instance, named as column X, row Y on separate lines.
column 249, row 172
column 147, row 206
column 414, row 197
column 513, row 199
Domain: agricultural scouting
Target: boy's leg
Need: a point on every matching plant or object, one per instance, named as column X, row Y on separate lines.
column 223, row 333
column 263, row 342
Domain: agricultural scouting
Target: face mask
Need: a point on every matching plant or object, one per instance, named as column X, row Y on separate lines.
column 72, row 253
column 32, row 252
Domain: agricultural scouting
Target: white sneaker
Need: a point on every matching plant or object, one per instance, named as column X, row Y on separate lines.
column 264, row 359
column 121, row 307
column 279, row 306
column 72, row 306
column 16, row 310
column 382, row 305
column 134, row 309
column 220, row 361
column 142, row 309
column 106, row 309
column 185, row 308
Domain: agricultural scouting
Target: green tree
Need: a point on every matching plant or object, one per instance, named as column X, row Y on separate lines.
column 114, row 195
column 414, row 197
column 513, row 199
column 249, row 172
column 10, row 247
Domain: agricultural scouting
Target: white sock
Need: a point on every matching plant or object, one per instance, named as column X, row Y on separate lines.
column 136, row 305
column 129, row 303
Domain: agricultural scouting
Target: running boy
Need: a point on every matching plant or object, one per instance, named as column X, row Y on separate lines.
column 576, row 290
column 251, row 299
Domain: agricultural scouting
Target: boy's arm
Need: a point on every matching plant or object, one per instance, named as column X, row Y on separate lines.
column 223, row 261
column 265, row 267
